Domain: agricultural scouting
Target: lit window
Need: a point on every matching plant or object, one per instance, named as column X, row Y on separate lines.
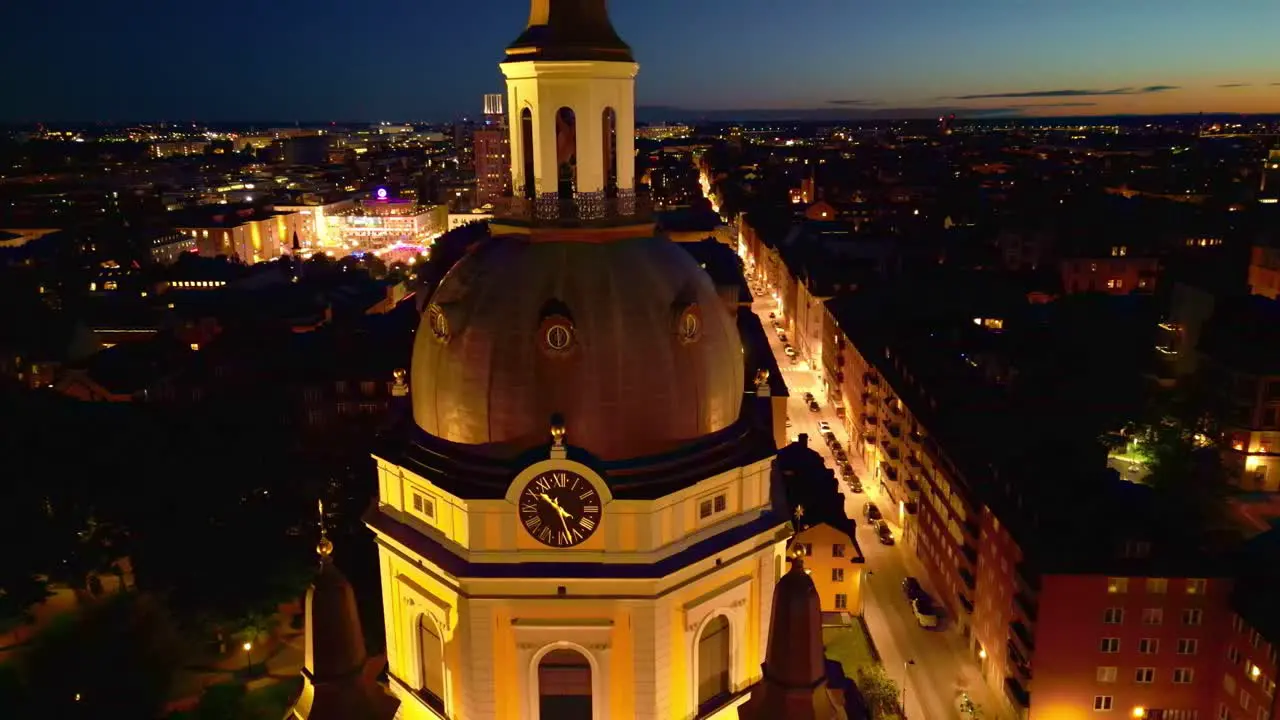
column 1107, row 674
column 842, row 601
column 1117, row 585
column 1196, row 586
column 195, row 347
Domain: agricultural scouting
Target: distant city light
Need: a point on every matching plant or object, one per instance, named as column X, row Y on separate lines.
column 382, row 193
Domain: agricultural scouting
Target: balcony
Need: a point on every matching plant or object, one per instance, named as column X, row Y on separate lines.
column 870, row 380
column 1026, row 605
column 1027, row 581
column 1023, row 636
column 1016, row 693
column 894, row 429
column 967, row 578
column 969, row 553
column 1021, row 666
column 869, row 399
column 587, row 210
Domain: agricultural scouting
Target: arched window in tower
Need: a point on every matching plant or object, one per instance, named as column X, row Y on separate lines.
column 530, row 189
column 432, row 658
column 609, row 120
column 567, row 152
column 564, row 686
column 713, row 663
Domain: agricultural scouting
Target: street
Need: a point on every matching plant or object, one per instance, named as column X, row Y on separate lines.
column 936, row 663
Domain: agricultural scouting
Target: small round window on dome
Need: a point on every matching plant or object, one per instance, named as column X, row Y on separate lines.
column 438, row 323
column 558, row 336
column 688, row 325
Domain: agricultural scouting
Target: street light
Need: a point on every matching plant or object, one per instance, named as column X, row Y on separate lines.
column 248, row 658
column 905, row 676
column 1139, row 712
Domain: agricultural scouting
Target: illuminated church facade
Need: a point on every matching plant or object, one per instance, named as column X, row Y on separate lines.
column 578, row 523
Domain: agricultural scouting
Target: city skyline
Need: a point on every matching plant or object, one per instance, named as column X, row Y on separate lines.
column 401, row 61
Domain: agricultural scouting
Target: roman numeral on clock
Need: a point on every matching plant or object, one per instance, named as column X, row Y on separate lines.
column 587, row 524
column 533, row 522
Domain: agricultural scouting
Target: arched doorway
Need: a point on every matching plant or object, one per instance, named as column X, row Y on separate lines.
column 564, row 686
column 526, row 153
column 609, row 121
column 713, row 663
column 566, row 152
column 431, row 647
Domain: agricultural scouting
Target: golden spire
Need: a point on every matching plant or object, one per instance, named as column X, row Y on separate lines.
column 557, row 432
column 799, row 512
column 324, row 548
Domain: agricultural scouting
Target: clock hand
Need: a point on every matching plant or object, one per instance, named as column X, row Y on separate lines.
column 556, row 506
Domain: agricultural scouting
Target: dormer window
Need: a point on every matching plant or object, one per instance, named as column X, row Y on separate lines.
column 712, row 505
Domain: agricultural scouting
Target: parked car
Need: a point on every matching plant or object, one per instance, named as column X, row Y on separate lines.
column 808, row 397
column 788, row 422
column 871, row 512
column 782, row 336
column 773, row 316
column 884, row 533
column 847, row 470
column 911, row 588
column 925, row 611
column 829, row 437
column 854, row 486
column 790, row 351
column 823, row 425
column 840, row 454
column 813, row 406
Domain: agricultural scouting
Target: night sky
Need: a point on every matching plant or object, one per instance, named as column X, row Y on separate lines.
column 430, row 59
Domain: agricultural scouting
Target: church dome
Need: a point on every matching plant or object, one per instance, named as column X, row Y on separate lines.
column 626, row 341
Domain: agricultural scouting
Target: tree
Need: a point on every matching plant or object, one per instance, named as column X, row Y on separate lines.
column 879, row 691
column 115, row 659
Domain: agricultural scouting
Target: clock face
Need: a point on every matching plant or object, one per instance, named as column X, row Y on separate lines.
column 560, row 508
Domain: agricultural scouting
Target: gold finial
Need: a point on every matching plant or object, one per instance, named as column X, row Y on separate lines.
column 557, row 433
column 324, row 548
column 398, row 375
column 762, row 377
column 799, row 512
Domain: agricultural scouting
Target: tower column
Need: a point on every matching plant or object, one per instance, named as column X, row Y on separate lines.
column 546, row 169
column 627, row 141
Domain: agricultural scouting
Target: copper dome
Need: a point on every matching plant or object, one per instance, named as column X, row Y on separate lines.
column 627, row 341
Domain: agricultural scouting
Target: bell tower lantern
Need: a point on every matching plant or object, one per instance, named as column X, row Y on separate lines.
column 571, row 110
